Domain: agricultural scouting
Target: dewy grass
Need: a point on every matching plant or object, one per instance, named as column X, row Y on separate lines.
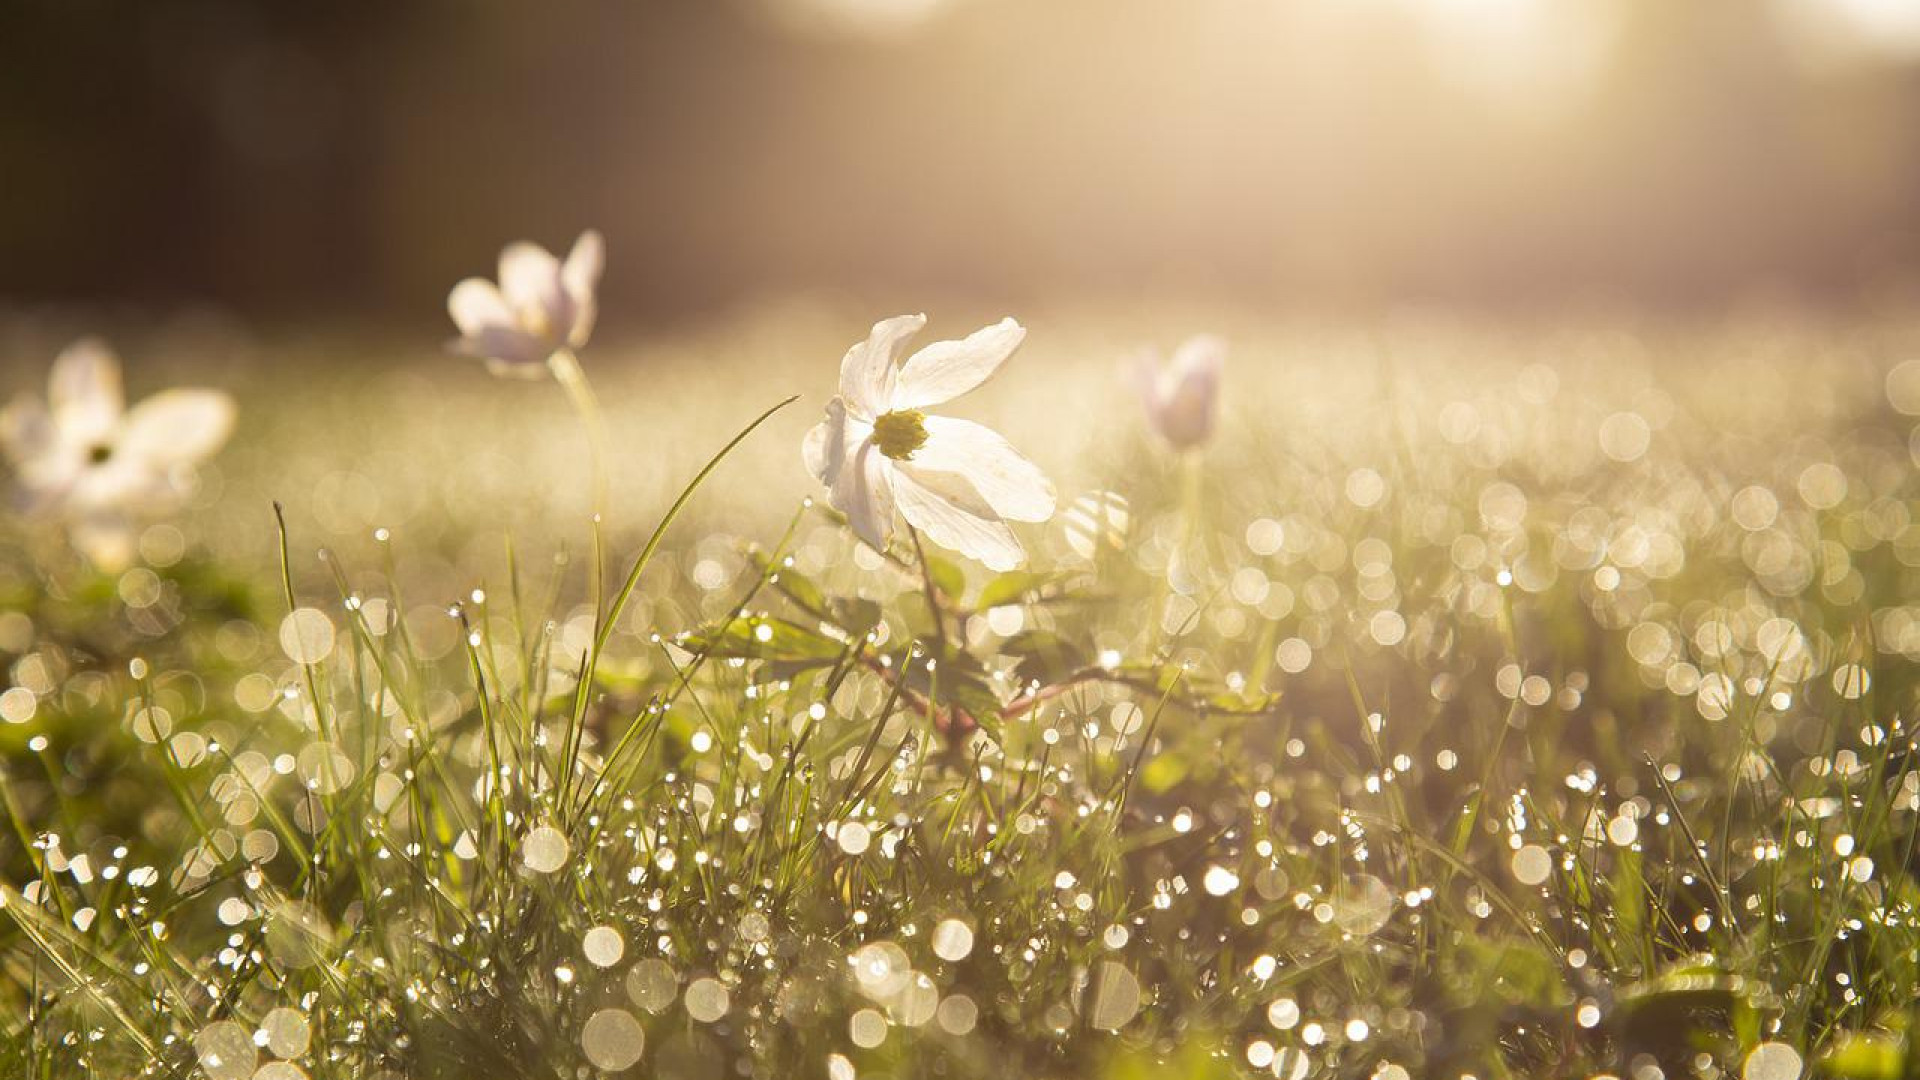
column 1492, row 734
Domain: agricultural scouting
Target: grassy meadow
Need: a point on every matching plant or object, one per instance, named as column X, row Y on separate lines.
column 1477, row 701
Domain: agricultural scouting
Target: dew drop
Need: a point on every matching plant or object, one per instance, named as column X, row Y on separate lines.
column 1772, row 1061
column 545, row 850
column 952, row 940
column 603, row 946
column 613, row 1039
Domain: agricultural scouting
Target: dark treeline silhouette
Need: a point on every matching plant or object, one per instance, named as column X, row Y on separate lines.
column 353, row 158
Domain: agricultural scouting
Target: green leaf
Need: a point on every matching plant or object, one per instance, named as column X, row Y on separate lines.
column 798, row 587
column 1864, row 1057
column 763, row 637
column 947, row 576
column 1014, row 586
column 1045, row 657
column 1161, row 774
column 1515, row 972
column 957, row 680
column 1691, row 1003
column 854, row 615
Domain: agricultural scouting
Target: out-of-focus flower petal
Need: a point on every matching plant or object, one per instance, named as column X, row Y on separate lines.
column 1182, row 399
column 26, row 430
column 814, row 450
column 529, row 278
column 946, row 369
column 508, row 350
column 580, row 278
column 477, row 306
column 176, row 427
column 865, row 495
column 1202, row 354
column 953, row 516
column 867, row 372
column 85, row 392
column 122, row 484
column 45, row 466
column 1012, row 486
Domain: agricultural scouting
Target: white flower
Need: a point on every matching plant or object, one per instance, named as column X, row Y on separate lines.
column 1183, row 396
column 954, row 480
column 541, row 306
column 84, row 459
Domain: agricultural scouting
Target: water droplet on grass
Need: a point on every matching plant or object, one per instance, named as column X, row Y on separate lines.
column 603, row 946
column 952, row 940
column 613, row 1039
column 545, row 850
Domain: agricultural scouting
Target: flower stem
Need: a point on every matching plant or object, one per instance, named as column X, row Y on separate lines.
column 1179, row 574
column 567, row 372
column 933, row 594
column 1192, row 507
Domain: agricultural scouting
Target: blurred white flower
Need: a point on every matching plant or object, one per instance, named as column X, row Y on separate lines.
column 956, row 481
column 1183, row 395
column 540, row 306
column 83, row 459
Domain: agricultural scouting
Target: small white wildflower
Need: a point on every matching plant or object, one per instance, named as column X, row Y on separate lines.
column 540, row 306
column 84, row 459
column 956, row 481
column 1182, row 396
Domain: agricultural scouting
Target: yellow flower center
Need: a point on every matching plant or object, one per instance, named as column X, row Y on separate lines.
column 899, row 434
column 99, row 453
column 536, row 320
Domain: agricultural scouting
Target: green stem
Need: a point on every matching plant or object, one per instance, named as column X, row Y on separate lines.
column 567, row 372
column 932, row 593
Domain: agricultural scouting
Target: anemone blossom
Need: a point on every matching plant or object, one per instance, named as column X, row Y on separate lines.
column 84, row 459
column 954, row 480
column 540, row 306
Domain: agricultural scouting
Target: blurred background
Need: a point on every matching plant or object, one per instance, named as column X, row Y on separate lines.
column 312, row 163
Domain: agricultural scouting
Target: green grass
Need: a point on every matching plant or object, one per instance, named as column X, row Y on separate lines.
column 1518, row 704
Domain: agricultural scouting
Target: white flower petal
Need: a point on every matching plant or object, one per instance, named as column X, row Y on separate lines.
column 580, row 278
column 866, row 372
column 477, row 306
column 85, row 393
column 833, row 442
column 45, row 466
column 508, row 350
column 1201, row 355
column 813, row 450
column 956, row 518
column 1182, row 399
column 946, row 369
column 26, row 430
column 1012, row 486
column 529, row 277
column 121, row 484
column 864, row 494
column 176, row 427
